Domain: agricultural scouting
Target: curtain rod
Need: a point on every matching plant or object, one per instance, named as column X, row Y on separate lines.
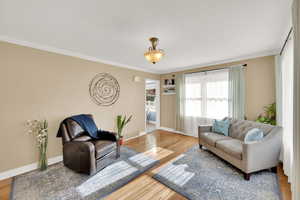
column 286, row 40
column 244, row 65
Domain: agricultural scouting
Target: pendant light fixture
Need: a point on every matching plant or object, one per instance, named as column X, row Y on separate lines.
column 153, row 54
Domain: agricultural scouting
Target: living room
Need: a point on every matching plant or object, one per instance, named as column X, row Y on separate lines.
column 77, row 99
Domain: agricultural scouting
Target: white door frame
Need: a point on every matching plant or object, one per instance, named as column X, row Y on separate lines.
column 157, row 101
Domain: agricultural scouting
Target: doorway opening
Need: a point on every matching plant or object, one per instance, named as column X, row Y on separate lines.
column 152, row 105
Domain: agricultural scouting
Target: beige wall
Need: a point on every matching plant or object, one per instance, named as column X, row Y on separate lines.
column 36, row 84
column 260, row 88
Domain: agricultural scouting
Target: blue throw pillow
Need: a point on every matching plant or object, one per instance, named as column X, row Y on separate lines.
column 221, row 126
column 254, row 134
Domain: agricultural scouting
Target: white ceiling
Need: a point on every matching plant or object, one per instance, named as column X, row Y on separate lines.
column 192, row 32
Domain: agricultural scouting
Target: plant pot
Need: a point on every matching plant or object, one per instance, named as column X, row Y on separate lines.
column 121, row 141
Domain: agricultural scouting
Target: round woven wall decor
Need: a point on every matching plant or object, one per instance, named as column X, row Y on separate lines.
column 104, row 89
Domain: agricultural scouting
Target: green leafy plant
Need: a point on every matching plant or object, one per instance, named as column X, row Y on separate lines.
column 121, row 123
column 269, row 116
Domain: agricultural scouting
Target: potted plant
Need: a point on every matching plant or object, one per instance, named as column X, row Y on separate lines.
column 269, row 117
column 121, row 123
column 39, row 128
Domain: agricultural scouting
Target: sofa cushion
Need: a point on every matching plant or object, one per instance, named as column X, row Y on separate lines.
column 104, row 147
column 221, row 126
column 253, row 135
column 239, row 128
column 211, row 138
column 232, row 147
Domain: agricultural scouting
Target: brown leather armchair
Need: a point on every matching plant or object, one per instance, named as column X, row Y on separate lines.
column 84, row 154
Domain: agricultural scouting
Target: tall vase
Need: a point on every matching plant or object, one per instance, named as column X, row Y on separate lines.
column 43, row 162
column 120, row 137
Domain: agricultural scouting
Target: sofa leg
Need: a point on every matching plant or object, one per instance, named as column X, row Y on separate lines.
column 247, row 176
column 200, row 146
column 274, row 170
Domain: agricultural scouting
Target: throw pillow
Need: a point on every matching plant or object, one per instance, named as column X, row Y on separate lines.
column 254, row 134
column 221, row 126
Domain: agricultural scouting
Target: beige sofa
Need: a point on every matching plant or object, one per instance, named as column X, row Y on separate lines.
column 248, row 157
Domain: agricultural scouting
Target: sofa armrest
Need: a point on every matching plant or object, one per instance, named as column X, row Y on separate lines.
column 263, row 154
column 204, row 128
column 80, row 156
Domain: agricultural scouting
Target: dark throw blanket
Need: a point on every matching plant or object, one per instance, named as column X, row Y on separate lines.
column 87, row 124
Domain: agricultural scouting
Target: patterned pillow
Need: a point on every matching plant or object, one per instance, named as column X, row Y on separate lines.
column 254, row 134
column 221, row 126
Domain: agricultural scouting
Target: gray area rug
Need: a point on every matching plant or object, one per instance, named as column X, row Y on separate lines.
column 200, row 175
column 61, row 183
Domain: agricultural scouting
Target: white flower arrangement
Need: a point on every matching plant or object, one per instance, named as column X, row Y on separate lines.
column 39, row 128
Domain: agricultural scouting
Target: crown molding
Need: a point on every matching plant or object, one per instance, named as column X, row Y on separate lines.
column 69, row 53
column 251, row 56
column 115, row 64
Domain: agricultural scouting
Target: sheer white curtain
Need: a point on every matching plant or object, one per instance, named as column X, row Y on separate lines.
column 206, row 98
column 296, row 113
column 278, row 86
column 286, row 118
column 180, row 102
column 237, row 92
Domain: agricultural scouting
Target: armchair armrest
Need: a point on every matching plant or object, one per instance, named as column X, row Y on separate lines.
column 106, row 135
column 263, row 154
column 80, row 156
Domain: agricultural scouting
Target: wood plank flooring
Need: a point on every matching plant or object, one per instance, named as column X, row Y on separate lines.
column 5, row 186
column 163, row 146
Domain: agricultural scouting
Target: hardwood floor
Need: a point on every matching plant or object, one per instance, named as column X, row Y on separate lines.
column 285, row 187
column 5, row 189
column 164, row 146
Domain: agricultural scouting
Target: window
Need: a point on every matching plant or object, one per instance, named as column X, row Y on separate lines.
column 206, row 94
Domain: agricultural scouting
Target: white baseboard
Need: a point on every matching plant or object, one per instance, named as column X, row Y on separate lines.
column 151, row 122
column 174, row 131
column 139, row 135
column 27, row 168
column 171, row 130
